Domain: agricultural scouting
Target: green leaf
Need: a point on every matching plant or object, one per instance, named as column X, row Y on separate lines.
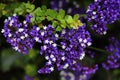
column 43, row 7
column 39, row 12
column 30, row 8
column 76, row 16
column 69, row 19
column 55, row 23
column 63, row 23
column 20, row 10
column 58, row 28
column 24, row 8
column 51, row 13
column 33, row 19
column 61, row 14
column 39, row 19
column 71, row 26
column 49, row 18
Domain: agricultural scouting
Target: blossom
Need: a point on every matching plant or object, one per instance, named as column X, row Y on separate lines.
column 103, row 12
column 113, row 59
column 76, row 75
column 17, row 33
column 62, row 49
column 64, row 4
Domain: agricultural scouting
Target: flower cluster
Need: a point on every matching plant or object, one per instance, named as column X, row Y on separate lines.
column 76, row 75
column 89, row 70
column 17, row 33
column 65, row 4
column 61, row 49
column 103, row 12
column 114, row 58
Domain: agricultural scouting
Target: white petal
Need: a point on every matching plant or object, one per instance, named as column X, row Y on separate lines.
column 26, row 35
column 42, row 33
column 37, row 28
column 54, row 59
column 63, row 47
column 2, row 31
column 20, row 30
column 46, row 57
column 63, row 58
column 54, row 45
column 24, row 22
column 9, row 35
column 51, row 42
column 89, row 43
column 22, row 37
column 44, row 27
column 36, row 39
column 14, row 14
column 45, row 47
column 82, row 56
column 85, row 40
column 56, row 35
column 52, row 56
column 49, row 62
column 80, row 40
column 66, row 66
column 46, row 41
column 52, row 68
column 16, row 48
column 94, row 12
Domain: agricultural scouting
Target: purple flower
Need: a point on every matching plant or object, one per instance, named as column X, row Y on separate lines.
column 61, row 49
column 76, row 75
column 103, row 12
column 64, row 4
column 114, row 58
column 89, row 70
column 17, row 33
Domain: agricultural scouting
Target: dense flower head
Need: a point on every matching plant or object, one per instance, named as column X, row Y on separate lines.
column 65, row 5
column 61, row 49
column 89, row 69
column 114, row 58
column 103, row 12
column 17, row 33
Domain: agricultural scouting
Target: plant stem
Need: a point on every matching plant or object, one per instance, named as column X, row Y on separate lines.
column 98, row 49
column 83, row 15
